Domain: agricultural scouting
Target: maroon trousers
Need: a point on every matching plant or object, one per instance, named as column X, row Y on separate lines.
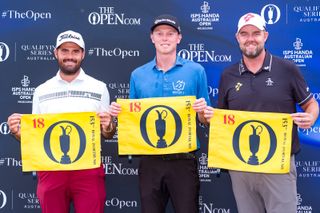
column 85, row 188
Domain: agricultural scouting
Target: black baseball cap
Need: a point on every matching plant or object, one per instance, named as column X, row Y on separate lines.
column 166, row 19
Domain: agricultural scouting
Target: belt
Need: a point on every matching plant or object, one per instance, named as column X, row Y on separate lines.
column 177, row 156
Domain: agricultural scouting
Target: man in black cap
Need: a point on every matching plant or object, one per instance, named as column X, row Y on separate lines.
column 172, row 176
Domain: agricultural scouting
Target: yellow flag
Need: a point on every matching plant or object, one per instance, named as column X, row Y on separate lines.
column 250, row 141
column 154, row 126
column 68, row 141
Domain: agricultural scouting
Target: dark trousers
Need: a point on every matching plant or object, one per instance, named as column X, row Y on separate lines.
column 163, row 178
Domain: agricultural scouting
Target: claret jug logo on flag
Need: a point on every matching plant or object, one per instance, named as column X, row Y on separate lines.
column 67, row 141
column 250, row 141
column 154, row 126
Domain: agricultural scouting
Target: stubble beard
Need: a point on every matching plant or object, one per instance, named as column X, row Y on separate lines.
column 68, row 70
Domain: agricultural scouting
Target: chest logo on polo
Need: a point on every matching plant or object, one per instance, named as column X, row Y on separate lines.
column 178, row 86
column 269, row 82
column 237, row 86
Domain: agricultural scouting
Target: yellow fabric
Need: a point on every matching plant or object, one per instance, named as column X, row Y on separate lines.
column 155, row 126
column 68, row 141
column 250, row 141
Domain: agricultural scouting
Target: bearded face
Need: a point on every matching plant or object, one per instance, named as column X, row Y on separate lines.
column 69, row 56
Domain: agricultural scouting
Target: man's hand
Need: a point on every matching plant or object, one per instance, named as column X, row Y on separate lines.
column 107, row 125
column 13, row 122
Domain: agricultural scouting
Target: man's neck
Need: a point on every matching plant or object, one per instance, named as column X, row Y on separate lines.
column 69, row 78
column 254, row 64
column 165, row 62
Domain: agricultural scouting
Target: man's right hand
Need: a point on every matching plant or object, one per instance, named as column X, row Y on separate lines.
column 114, row 109
column 13, row 122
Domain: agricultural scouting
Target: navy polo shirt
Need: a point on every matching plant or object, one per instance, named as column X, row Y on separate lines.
column 277, row 87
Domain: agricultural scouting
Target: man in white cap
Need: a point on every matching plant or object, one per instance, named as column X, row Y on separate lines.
column 267, row 84
column 71, row 90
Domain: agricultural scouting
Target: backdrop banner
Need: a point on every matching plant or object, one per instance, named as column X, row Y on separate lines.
column 117, row 41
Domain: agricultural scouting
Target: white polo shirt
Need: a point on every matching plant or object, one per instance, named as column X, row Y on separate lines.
column 83, row 94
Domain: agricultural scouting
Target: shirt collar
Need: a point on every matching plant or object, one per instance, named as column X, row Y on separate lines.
column 266, row 66
column 80, row 77
column 179, row 62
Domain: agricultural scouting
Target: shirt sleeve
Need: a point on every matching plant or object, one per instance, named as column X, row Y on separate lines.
column 301, row 91
column 105, row 100
column 132, row 90
column 222, row 99
column 35, row 103
column 203, row 87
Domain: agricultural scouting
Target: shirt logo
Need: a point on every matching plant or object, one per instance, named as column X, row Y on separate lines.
column 269, row 82
column 237, row 86
column 179, row 85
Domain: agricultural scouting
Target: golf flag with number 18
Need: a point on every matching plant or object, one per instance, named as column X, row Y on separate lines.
column 153, row 126
column 67, row 141
column 250, row 141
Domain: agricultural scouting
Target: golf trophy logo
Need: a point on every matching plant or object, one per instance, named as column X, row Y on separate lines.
column 163, row 117
column 63, row 137
column 255, row 130
column 161, row 128
column 254, row 142
column 65, row 144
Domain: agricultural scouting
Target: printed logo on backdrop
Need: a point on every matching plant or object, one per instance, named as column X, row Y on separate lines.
column 28, row 200
column 108, row 16
column 26, row 15
column 306, row 13
column 38, row 52
column 3, row 199
column 308, row 169
column 316, row 96
column 119, row 89
column 115, row 52
column 2, row 161
column 311, row 132
column 271, row 13
column 205, row 207
column 205, row 172
column 302, row 208
column 121, row 204
column 198, row 53
column 298, row 54
column 205, row 18
column 10, row 162
column 24, row 92
column 213, row 91
column 4, row 128
column 4, row 51
column 112, row 168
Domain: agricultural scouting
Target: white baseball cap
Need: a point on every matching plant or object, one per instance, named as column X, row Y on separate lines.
column 252, row 19
column 70, row 36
